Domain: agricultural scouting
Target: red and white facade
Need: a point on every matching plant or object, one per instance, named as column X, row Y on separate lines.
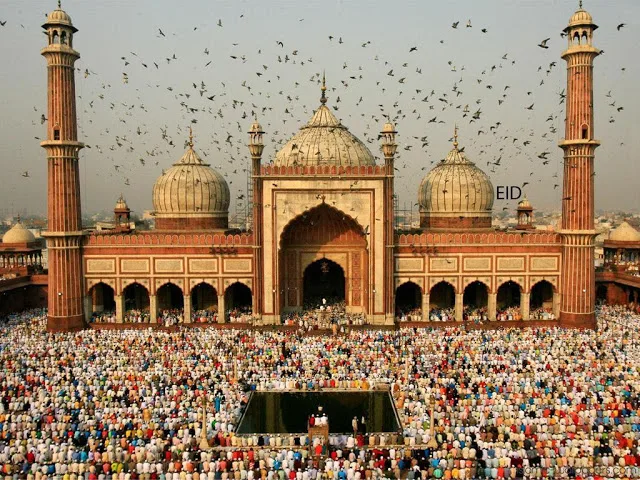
column 323, row 199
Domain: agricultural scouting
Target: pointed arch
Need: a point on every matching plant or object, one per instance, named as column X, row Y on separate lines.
column 103, row 303
column 323, row 225
column 508, row 300
column 169, row 297
column 408, row 300
column 136, row 303
column 238, row 301
column 442, row 297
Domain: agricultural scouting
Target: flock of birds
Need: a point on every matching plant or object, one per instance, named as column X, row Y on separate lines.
column 133, row 145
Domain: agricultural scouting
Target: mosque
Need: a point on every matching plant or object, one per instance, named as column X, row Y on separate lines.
column 322, row 225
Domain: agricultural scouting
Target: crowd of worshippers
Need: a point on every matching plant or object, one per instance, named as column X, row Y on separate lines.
column 409, row 315
column 323, row 314
column 173, row 316
column 507, row 403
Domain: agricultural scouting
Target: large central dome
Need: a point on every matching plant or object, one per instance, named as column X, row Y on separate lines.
column 324, row 141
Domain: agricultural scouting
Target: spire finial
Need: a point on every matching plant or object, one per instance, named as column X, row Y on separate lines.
column 59, row 4
column 190, row 137
column 18, row 218
column 455, row 136
column 580, row 4
column 323, row 88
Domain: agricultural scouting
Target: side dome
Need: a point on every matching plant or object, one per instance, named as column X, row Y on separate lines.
column 625, row 233
column 455, row 194
column 324, row 141
column 191, row 196
column 18, row 234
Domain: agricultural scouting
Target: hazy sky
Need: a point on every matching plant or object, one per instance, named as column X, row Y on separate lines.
column 123, row 123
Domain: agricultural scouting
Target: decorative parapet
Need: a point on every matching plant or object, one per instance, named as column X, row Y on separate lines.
column 171, row 239
column 471, row 238
column 276, row 170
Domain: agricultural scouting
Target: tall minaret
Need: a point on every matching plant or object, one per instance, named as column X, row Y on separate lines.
column 64, row 232
column 577, row 308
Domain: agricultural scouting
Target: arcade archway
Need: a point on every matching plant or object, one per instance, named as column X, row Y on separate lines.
column 476, row 296
column 542, row 296
column 508, row 296
column 408, row 300
column 323, row 283
column 103, row 305
column 204, row 298
column 508, row 302
column 442, row 301
column 237, row 301
column 170, row 297
column 136, row 303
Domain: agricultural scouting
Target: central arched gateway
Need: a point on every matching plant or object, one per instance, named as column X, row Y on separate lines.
column 323, row 254
column 323, row 282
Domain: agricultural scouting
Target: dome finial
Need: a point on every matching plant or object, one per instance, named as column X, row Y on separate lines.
column 323, row 88
column 455, row 136
column 59, row 5
column 190, row 137
column 580, row 4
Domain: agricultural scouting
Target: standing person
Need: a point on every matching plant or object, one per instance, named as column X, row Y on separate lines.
column 354, row 424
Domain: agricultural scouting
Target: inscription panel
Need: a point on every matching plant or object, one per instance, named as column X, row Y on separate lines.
column 168, row 265
column 237, row 265
column 474, row 264
column 409, row 264
column 134, row 265
column 203, row 265
column 101, row 266
column 449, row 264
column 544, row 263
column 511, row 263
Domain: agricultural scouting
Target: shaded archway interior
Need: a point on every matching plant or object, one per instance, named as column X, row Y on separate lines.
column 542, row 295
column 476, row 295
column 170, row 297
column 136, row 297
column 323, row 282
column 408, row 298
column 508, row 295
column 442, row 296
column 238, row 297
column 204, row 297
column 102, row 298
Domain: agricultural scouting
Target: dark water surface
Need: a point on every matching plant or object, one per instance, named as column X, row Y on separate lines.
column 287, row 412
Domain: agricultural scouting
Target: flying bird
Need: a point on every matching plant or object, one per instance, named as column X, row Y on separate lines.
column 618, row 27
column 543, row 43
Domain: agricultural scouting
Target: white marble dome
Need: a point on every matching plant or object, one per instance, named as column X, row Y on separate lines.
column 191, row 188
column 18, row 234
column 625, row 233
column 456, row 189
column 324, row 141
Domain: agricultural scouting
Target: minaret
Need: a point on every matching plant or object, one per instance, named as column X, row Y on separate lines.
column 389, row 147
column 577, row 308
column 256, row 147
column 64, row 232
